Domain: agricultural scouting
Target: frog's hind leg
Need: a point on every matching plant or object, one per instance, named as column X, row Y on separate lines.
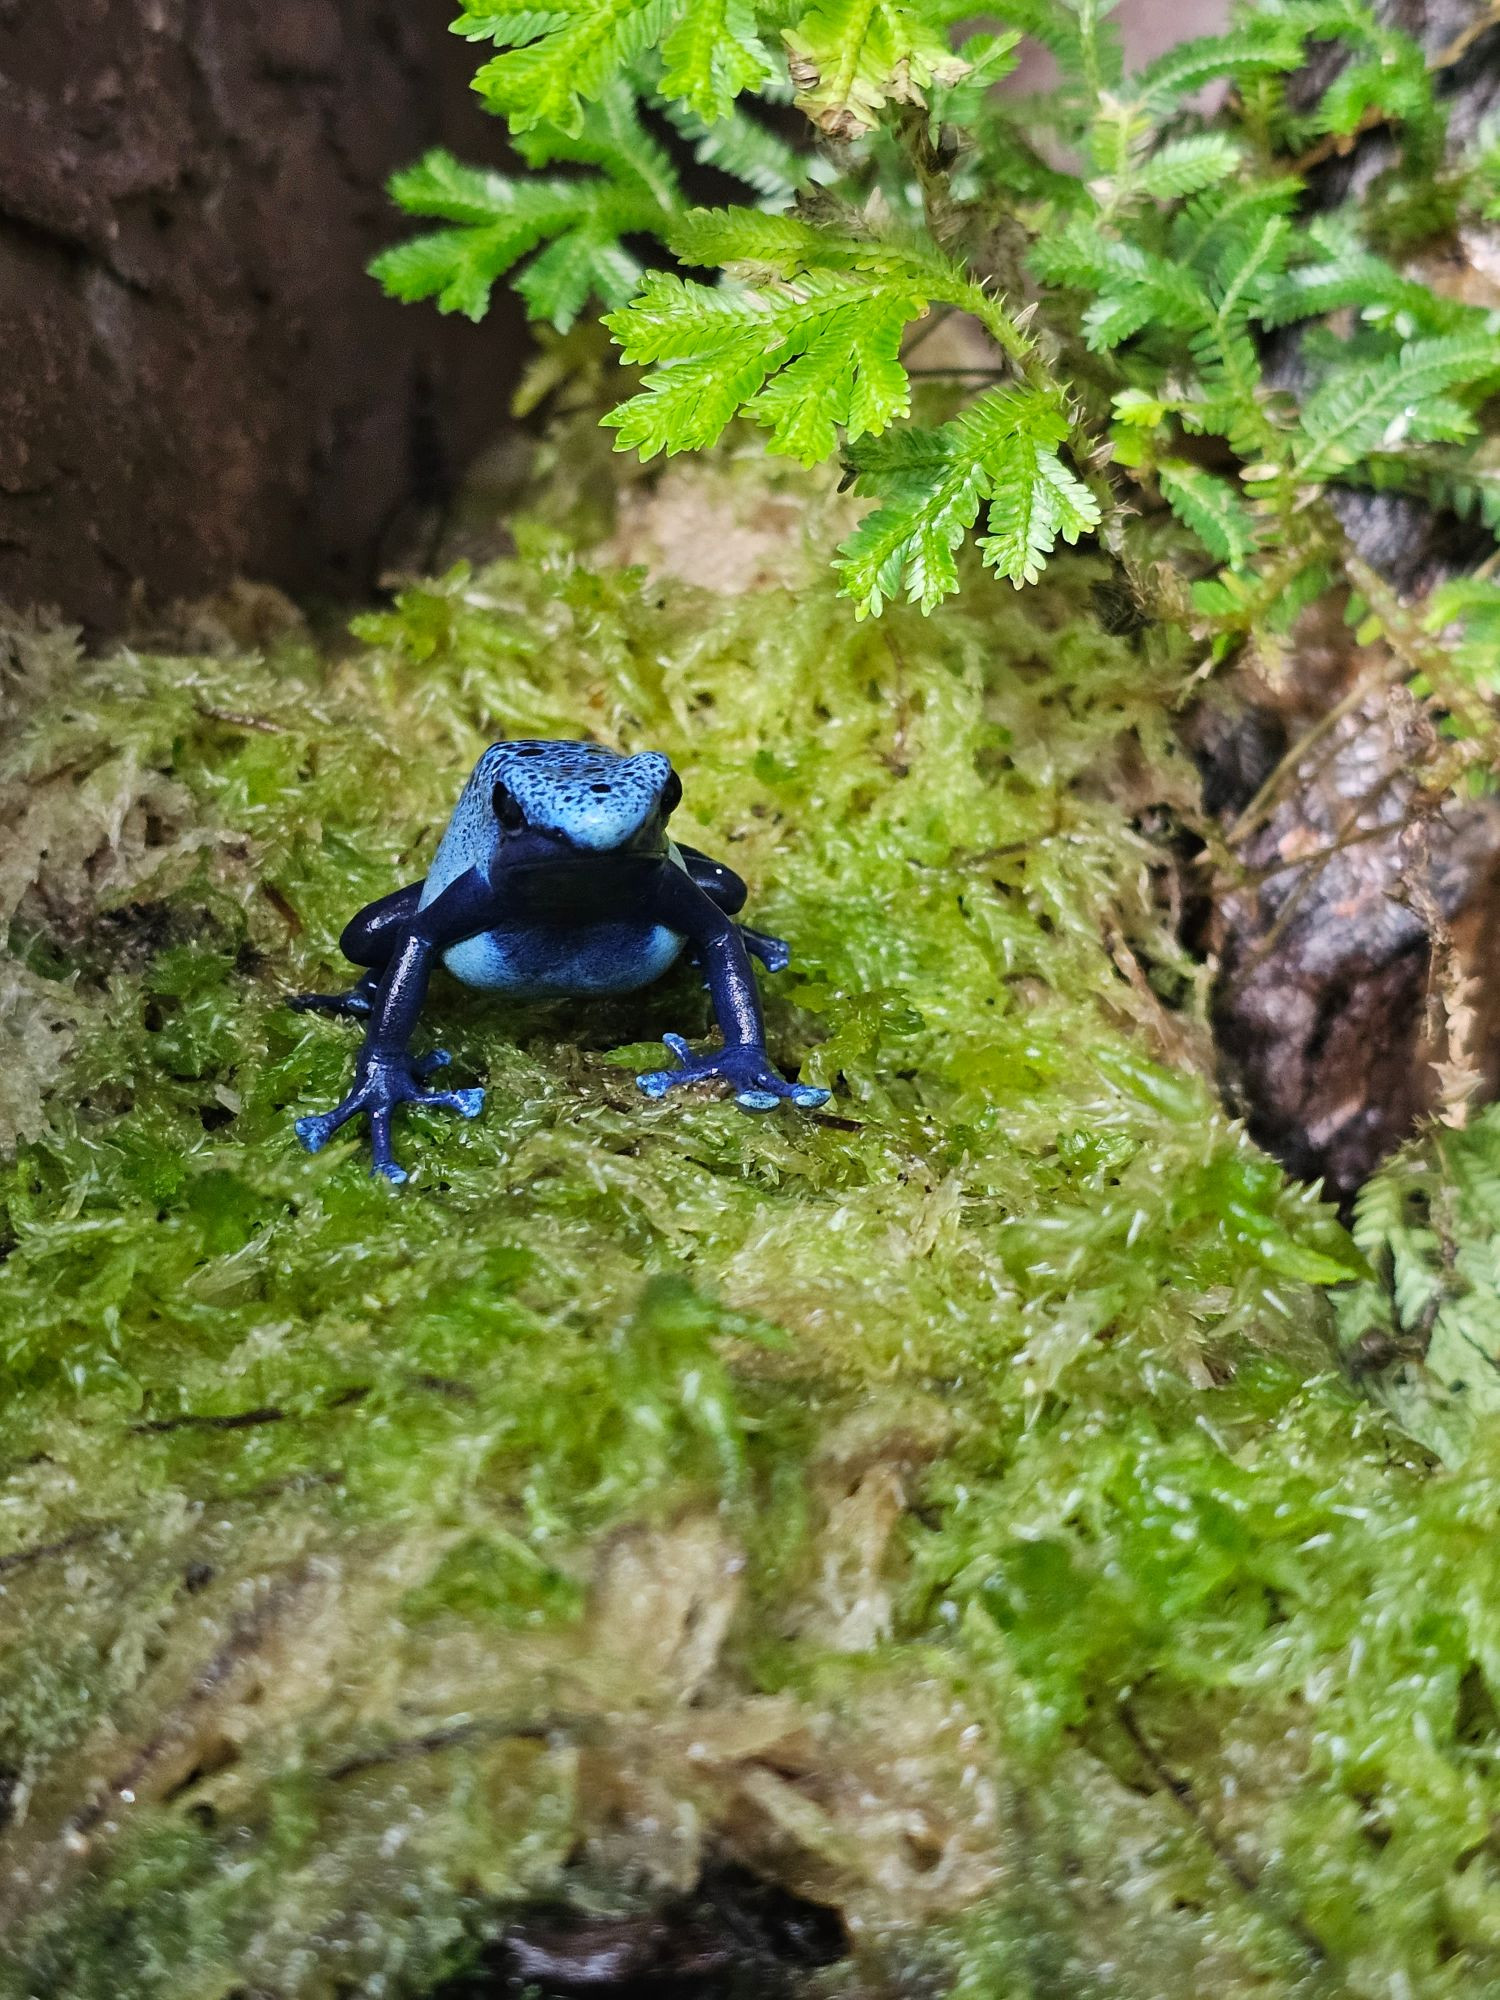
column 722, row 886
column 368, row 939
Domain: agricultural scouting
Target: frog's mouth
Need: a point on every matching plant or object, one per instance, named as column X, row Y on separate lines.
column 559, row 881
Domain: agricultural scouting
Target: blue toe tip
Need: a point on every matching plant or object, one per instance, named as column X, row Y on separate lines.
column 313, row 1132
column 807, row 1098
column 757, row 1100
column 655, row 1083
column 470, row 1102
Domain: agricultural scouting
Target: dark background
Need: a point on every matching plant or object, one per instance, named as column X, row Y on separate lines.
column 197, row 380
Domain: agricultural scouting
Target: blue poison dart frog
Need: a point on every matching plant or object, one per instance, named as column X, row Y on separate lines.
column 555, row 878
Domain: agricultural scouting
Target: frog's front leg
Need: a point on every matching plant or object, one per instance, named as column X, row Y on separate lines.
column 386, row 1074
column 368, row 939
column 743, row 1061
column 727, row 891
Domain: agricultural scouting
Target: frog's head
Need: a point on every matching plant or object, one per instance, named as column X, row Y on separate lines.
column 570, row 800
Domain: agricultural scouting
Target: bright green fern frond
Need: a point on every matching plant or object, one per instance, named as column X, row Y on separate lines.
column 733, row 238
column 741, row 145
column 1261, row 47
column 1034, row 500
column 555, row 60
column 1357, row 278
column 712, row 54
column 832, row 343
column 1187, row 166
column 931, row 485
column 498, row 222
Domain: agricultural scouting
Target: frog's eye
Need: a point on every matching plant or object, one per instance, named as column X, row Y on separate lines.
column 507, row 809
column 671, row 796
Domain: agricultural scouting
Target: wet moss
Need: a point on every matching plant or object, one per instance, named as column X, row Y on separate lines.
column 945, row 1507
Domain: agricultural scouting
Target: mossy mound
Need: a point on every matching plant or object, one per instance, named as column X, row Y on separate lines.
column 944, row 1506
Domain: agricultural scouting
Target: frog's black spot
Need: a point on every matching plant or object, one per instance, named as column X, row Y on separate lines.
column 532, row 750
column 600, row 791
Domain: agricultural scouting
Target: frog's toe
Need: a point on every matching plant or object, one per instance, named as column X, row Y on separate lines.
column 807, row 1096
column 345, row 1006
column 318, row 1127
column 434, row 1059
column 774, row 953
column 756, row 1100
column 657, row 1082
column 383, row 1160
column 467, row 1103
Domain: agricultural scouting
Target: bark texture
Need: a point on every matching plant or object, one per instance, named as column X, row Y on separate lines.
column 1328, row 1007
column 200, row 381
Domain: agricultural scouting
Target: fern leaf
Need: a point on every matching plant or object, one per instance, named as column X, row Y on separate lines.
column 1210, row 507
column 585, row 264
column 1365, row 406
column 499, row 222
column 831, row 342
column 740, row 145
column 1188, row 166
column 1256, row 49
column 1034, row 500
column 552, row 61
column 711, row 55
column 730, row 237
column 849, row 58
column 931, row 485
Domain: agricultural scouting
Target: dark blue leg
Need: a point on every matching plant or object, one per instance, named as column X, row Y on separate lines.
column 386, row 1074
column 368, row 939
column 727, row 892
column 721, row 950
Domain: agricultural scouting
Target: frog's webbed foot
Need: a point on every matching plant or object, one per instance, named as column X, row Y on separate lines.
column 757, row 1084
column 380, row 1084
column 774, row 953
column 355, row 1005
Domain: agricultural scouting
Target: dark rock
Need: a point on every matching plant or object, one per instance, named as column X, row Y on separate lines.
column 200, row 382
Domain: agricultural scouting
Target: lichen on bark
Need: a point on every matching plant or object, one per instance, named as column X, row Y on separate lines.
column 946, row 1507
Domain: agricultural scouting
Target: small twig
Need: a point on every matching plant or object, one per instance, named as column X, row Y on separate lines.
column 237, row 721
column 1261, row 805
column 436, row 1740
column 1182, row 1792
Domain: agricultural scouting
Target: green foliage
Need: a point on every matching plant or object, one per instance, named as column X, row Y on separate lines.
column 497, row 220
column 1132, row 300
column 1424, row 1330
column 652, row 1474
column 1002, row 451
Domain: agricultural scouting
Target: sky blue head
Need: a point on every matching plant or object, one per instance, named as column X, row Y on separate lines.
column 591, row 799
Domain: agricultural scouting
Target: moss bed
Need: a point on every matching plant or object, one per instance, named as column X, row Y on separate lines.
column 946, row 1507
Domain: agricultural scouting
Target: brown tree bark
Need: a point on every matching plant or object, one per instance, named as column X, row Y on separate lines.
column 199, row 381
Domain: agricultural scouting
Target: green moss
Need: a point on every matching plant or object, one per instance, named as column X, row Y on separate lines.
column 945, row 1505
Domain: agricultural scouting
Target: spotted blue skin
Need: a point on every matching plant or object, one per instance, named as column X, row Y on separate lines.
column 555, row 878
column 598, row 800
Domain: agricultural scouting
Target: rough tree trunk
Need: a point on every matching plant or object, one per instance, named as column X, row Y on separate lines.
column 199, row 380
